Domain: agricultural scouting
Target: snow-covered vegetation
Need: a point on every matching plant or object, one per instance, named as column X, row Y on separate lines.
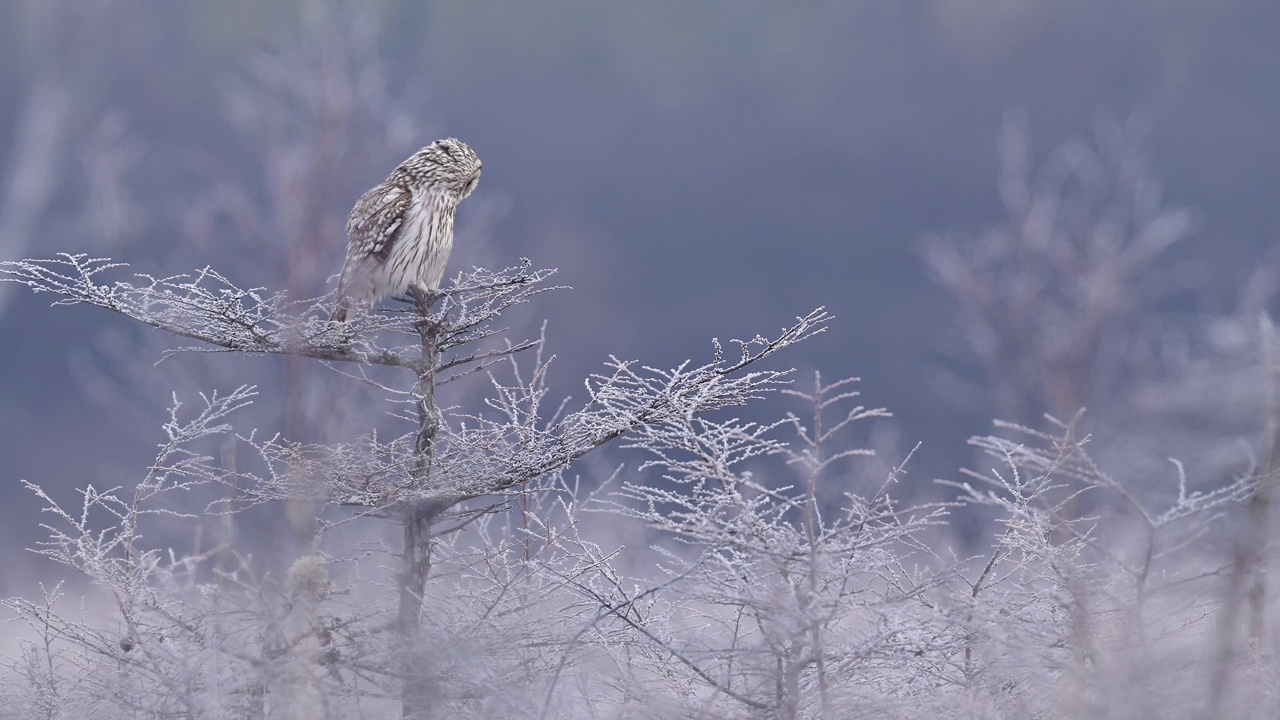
column 423, row 524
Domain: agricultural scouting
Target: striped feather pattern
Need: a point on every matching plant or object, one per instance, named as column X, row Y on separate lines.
column 400, row 233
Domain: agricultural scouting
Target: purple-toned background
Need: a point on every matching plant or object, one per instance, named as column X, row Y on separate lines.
column 693, row 169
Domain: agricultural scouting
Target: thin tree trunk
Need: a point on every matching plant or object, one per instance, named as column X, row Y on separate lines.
column 419, row 695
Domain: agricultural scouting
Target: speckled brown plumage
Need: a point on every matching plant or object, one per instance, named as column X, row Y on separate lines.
column 400, row 233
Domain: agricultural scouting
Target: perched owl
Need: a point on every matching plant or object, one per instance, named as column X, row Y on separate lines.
column 400, row 233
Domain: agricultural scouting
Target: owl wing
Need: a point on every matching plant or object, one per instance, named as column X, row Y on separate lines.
column 373, row 227
column 375, row 222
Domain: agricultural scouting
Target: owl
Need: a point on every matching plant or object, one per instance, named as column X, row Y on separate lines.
column 400, row 233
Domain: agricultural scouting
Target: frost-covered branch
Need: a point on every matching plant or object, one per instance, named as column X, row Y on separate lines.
column 208, row 307
column 1086, row 571
column 771, row 599
column 1051, row 302
column 100, row 538
column 515, row 441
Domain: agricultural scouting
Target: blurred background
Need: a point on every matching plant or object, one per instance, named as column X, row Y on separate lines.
column 1012, row 207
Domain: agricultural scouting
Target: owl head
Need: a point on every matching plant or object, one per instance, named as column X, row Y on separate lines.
column 447, row 166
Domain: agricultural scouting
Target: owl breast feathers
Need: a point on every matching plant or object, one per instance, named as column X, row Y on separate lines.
column 400, row 233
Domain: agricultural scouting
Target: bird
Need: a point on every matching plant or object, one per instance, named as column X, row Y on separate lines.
column 400, row 232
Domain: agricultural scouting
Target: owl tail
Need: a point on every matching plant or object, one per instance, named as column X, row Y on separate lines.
column 353, row 279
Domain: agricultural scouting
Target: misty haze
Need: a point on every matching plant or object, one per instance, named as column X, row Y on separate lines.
column 789, row 359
